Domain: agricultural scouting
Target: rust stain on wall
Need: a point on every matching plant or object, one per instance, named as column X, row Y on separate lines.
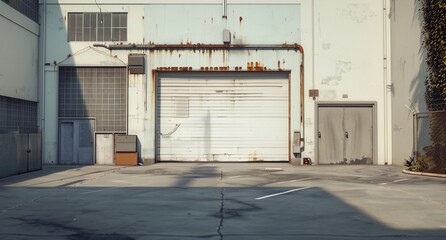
column 210, row 55
column 255, row 66
column 153, row 88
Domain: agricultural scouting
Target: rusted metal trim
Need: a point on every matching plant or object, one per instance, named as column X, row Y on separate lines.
column 290, row 154
column 294, row 46
column 302, row 99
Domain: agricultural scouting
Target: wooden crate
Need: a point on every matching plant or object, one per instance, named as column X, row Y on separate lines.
column 126, row 159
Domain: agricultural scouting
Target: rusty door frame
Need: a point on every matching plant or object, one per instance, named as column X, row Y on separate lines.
column 156, row 77
column 370, row 104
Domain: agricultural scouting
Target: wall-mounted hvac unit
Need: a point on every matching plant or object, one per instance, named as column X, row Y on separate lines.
column 125, row 150
column 137, row 64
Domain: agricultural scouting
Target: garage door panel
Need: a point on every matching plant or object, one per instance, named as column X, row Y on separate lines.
column 235, row 118
column 221, row 156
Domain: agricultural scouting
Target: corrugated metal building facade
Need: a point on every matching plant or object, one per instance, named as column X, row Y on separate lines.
column 224, row 81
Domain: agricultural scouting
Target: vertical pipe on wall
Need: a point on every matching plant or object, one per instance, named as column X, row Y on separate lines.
column 312, row 44
column 225, row 8
column 42, row 76
column 302, row 100
column 387, row 87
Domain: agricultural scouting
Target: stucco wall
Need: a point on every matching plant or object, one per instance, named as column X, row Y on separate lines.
column 348, row 62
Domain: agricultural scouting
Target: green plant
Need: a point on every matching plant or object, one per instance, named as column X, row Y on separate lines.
column 434, row 42
column 410, row 161
column 422, row 164
column 434, row 33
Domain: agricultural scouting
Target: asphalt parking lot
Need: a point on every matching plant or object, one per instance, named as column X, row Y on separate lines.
column 222, row 201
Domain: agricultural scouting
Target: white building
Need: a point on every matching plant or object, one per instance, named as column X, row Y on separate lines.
column 235, row 80
column 19, row 60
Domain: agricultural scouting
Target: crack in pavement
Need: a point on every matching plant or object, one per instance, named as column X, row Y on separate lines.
column 222, row 206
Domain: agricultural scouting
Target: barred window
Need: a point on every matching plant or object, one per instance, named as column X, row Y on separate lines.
column 97, row 26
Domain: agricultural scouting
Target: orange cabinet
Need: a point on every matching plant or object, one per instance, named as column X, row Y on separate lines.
column 126, row 158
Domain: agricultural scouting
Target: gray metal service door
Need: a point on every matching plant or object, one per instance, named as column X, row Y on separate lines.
column 331, row 135
column 345, row 135
column 358, row 135
column 222, row 117
column 66, row 148
column 76, row 142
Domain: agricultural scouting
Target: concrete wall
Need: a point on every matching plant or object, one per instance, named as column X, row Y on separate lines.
column 345, row 43
column 408, row 74
column 18, row 55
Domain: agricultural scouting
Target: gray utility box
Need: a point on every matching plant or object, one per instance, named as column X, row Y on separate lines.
column 125, row 143
column 137, row 63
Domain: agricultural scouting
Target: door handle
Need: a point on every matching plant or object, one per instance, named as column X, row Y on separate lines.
column 346, row 134
column 319, row 134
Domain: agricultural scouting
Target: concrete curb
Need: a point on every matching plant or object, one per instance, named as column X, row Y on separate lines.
column 424, row 174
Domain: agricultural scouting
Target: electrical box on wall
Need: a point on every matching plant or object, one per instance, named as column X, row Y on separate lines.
column 226, row 36
column 314, row 93
column 137, row 64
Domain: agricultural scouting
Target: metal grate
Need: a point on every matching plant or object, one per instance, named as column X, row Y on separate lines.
column 17, row 115
column 29, row 8
column 98, row 93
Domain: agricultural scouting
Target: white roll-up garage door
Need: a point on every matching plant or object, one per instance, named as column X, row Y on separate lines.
column 222, row 117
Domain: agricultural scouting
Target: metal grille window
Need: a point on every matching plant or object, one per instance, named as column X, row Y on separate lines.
column 93, row 26
column 29, row 8
column 100, row 93
column 17, row 115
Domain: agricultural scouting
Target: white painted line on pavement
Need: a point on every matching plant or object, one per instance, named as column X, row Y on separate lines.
column 395, row 181
column 400, row 180
column 273, row 169
column 235, row 176
column 282, row 193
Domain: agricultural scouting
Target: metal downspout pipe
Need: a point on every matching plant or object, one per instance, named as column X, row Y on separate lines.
column 387, row 88
column 42, row 76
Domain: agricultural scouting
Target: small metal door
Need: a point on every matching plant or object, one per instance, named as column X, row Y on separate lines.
column 104, row 149
column 22, row 153
column 345, row 135
column 34, row 151
column 76, row 141
column 358, row 135
column 331, row 139
column 66, row 149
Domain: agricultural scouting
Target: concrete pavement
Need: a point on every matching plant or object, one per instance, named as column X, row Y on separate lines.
column 222, row 201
